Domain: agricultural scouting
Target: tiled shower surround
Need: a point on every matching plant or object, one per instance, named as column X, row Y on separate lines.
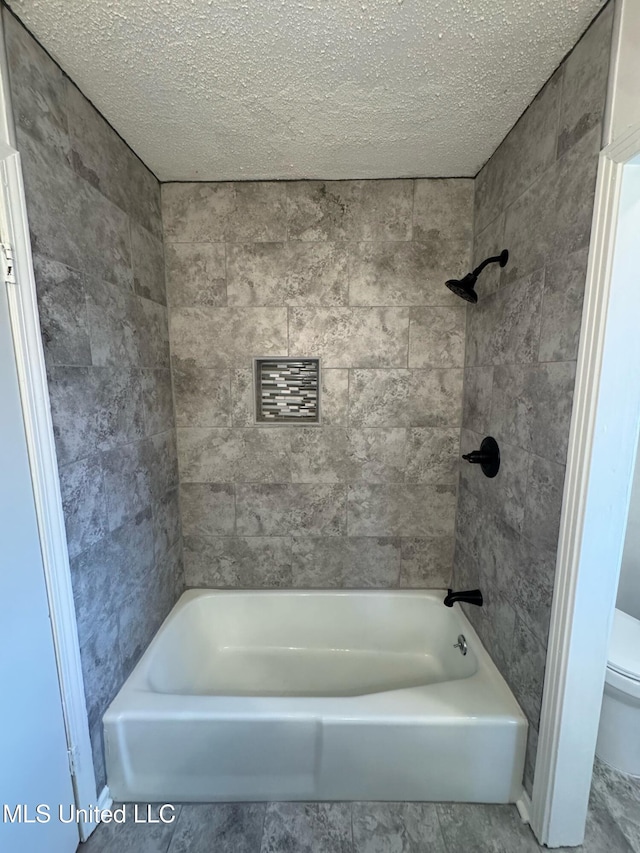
column 96, row 233
column 351, row 272
column 535, row 197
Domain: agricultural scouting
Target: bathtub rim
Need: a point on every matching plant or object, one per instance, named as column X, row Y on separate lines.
column 493, row 698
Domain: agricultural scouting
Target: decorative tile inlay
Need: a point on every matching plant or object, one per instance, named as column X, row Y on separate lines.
column 287, row 390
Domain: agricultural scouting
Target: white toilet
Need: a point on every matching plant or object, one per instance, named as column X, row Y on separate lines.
column 619, row 733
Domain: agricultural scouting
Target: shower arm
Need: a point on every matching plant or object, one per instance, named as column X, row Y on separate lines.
column 496, row 259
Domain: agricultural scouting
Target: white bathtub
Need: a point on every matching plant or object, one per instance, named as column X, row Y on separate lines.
column 294, row 695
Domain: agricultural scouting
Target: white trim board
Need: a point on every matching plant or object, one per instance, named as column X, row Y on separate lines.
column 602, row 447
column 23, row 310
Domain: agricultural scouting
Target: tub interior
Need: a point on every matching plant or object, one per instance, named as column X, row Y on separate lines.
column 292, row 644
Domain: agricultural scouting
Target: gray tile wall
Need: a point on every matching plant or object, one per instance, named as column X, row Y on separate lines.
column 96, row 232
column 352, row 272
column 535, row 198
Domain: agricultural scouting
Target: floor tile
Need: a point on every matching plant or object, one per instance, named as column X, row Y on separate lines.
column 219, row 827
column 396, row 828
column 131, row 837
column 307, row 828
column 475, row 828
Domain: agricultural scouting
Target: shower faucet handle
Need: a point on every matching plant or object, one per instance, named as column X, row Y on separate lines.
column 488, row 457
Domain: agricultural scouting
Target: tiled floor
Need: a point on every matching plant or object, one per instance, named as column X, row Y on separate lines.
column 343, row 828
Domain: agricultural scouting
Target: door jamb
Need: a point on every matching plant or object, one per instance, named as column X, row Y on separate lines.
column 602, row 448
column 34, row 392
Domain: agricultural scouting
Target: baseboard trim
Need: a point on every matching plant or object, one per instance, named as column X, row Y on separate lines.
column 523, row 804
column 105, row 800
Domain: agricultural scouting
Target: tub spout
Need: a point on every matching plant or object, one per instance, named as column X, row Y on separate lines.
column 469, row 596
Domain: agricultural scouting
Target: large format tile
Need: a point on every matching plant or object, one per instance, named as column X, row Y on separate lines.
column 99, row 155
column 503, row 495
column 530, row 227
column 521, row 572
column 619, row 795
column 157, row 395
column 488, row 243
column 397, row 827
column 63, row 313
column 72, row 222
column 237, row 561
column 147, row 257
column 83, row 503
column 475, row 828
column 409, row 398
column 196, row 274
column 196, row 212
column 103, row 575
column 163, row 463
column 334, row 397
column 237, row 212
column 143, row 201
column 442, row 220
column 604, row 831
column 543, row 503
column 563, row 294
column 584, row 89
column 476, row 402
column 114, row 320
column 153, row 333
column 340, row 561
column 401, row 510
column 127, row 481
column 223, row 828
column 166, row 523
column 94, row 409
column 530, row 147
column 531, row 407
column 132, row 837
column 574, row 176
column 432, row 455
column 401, row 274
column 437, row 337
column 37, row 89
column 202, row 396
column 351, row 337
column 227, row 337
column 101, row 666
column 349, row 210
column 258, row 212
column 426, row 562
column 333, row 455
column 291, row 509
column 234, row 455
column 208, row 509
column 286, row 274
column 526, row 667
column 243, row 397
column 307, row 828
column 504, row 328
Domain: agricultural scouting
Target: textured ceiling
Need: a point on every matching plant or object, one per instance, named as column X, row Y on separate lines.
column 213, row 90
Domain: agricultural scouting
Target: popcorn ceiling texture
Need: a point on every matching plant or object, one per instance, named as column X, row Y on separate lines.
column 320, row 89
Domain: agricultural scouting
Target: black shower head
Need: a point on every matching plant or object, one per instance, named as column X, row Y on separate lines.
column 465, row 287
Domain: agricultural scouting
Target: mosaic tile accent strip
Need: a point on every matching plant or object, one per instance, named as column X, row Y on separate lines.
column 287, row 390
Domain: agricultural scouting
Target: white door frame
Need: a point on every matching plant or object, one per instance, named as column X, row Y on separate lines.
column 32, row 377
column 600, row 463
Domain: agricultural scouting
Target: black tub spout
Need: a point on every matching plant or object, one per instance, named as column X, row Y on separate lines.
column 469, row 596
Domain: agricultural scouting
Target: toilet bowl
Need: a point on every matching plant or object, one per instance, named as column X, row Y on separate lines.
column 619, row 733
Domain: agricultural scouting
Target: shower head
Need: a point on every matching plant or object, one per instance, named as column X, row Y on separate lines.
column 466, row 287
